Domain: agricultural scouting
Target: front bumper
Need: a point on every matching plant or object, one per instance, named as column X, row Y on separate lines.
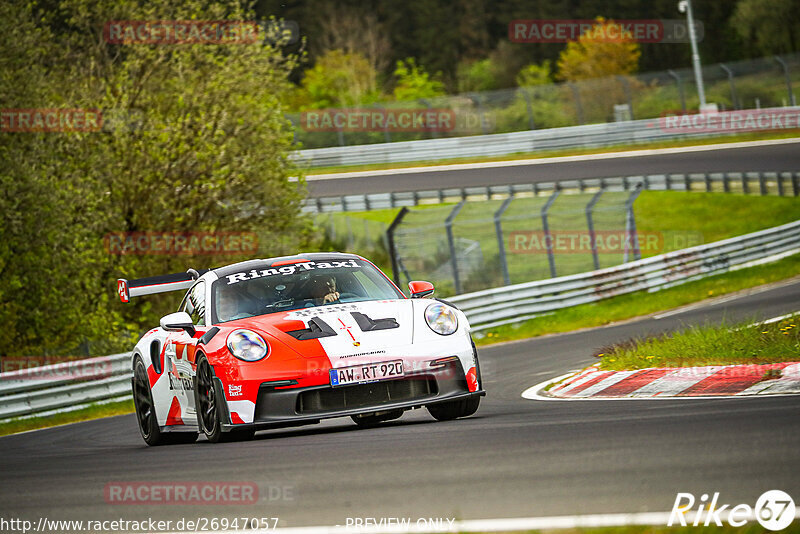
column 284, row 407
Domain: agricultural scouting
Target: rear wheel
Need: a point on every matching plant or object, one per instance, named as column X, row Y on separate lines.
column 368, row 420
column 146, row 413
column 208, row 400
column 445, row 411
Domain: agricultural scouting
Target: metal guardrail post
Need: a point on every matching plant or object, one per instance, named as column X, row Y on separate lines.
column 726, row 184
column 731, row 82
column 590, row 224
column 393, row 255
column 548, row 239
column 630, row 226
column 679, row 84
column 796, row 183
column 785, row 68
column 448, row 225
column 762, row 185
column 501, row 245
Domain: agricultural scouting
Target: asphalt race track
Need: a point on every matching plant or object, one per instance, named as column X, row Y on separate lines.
column 514, row 458
column 777, row 157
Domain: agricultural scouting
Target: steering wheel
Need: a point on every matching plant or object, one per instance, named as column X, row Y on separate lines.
column 347, row 295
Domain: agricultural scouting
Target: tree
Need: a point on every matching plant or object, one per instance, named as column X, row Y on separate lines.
column 413, row 82
column 773, row 26
column 533, row 75
column 339, row 79
column 208, row 151
column 598, row 52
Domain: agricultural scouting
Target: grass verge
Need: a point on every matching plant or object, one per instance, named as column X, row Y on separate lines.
column 558, row 153
column 642, row 303
column 95, row 411
column 742, row 343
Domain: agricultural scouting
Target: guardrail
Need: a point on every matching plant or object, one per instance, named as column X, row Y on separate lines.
column 40, row 390
column 528, row 141
column 763, row 183
column 64, row 386
column 504, row 305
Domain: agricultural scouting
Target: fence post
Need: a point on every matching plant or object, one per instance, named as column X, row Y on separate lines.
column 726, row 184
column 729, row 72
column 448, row 225
column 630, row 226
column 546, row 227
column 679, row 83
column 386, row 135
column 590, row 225
column 527, row 96
column 434, row 133
column 796, row 183
column 498, row 228
column 785, row 68
column 578, row 106
column 393, row 255
column 627, row 87
column 476, row 97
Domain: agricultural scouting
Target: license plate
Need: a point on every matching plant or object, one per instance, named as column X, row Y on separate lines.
column 368, row 372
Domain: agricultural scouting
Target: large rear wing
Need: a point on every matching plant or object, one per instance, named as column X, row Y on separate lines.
column 126, row 289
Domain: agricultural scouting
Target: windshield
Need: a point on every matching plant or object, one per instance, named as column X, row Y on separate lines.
column 299, row 285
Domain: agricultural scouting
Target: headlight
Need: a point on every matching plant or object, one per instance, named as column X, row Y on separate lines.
column 441, row 319
column 247, row 345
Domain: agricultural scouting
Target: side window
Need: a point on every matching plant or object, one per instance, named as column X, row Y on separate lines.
column 195, row 304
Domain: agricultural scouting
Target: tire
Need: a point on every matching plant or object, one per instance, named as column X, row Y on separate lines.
column 367, row 421
column 146, row 414
column 445, row 411
column 209, row 408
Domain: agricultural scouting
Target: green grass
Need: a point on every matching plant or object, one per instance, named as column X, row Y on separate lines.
column 95, row 411
column 741, row 343
column 756, row 136
column 642, row 303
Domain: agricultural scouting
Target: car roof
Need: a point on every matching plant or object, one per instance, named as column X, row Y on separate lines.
column 269, row 262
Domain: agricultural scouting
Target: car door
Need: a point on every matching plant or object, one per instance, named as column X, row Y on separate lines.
column 180, row 352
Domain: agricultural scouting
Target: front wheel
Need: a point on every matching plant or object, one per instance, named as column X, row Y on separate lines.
column 208, row 400
column 146, row 412
column 445, row 411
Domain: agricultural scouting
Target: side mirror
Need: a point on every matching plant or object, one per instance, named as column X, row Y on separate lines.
column 420, row 289
column 175, row 322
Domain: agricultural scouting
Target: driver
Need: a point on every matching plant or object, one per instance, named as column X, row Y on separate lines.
column 229, row 307
column 323, row 289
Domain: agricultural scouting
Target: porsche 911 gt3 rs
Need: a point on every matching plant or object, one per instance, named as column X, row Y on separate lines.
column 290, row 341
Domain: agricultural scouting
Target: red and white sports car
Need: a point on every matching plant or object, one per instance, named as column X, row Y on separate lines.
column 293, row 340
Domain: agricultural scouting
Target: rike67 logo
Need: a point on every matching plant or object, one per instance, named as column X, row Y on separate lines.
column 774, row 510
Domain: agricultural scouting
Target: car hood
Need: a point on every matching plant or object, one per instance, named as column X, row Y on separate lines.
column 348, row 329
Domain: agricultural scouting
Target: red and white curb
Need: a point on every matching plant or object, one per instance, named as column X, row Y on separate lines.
column 668, row 382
